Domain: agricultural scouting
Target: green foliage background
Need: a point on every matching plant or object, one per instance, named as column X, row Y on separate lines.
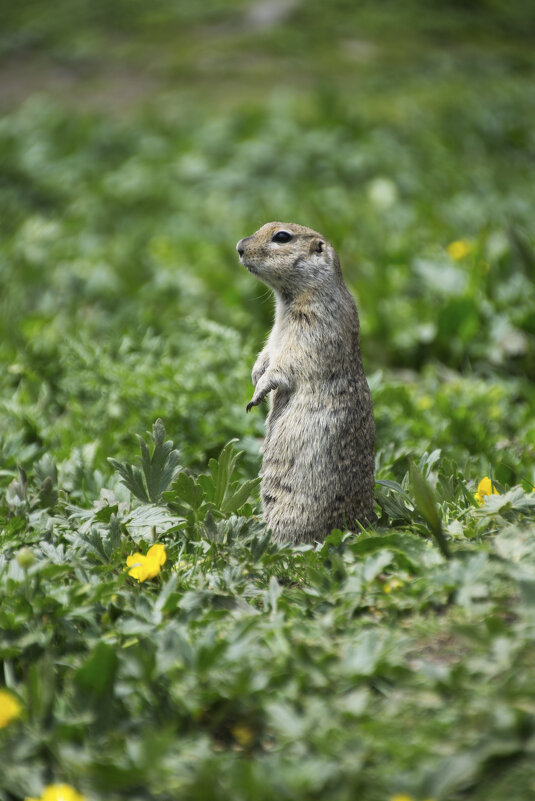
column 138, row 143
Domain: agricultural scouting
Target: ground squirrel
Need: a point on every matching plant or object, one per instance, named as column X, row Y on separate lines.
column 318, row 454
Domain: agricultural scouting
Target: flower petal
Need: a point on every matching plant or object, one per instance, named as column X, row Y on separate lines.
column 137, row 572
column 135, row 559
column 61, row 792
column 149, row 566
column 152, row 568
column 484, row 488
column 9, row 708
column 157, row 552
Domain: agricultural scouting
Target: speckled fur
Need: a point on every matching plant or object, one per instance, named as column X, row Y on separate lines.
column 318, row 454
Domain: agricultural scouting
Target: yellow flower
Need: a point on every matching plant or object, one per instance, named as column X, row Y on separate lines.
column 393, row 584
column 149, row 566
column 484, row 488
column 459, row 249
column 243, row 735
column 425, row 402
column 405, row 797
column 9, row 708
column 59, row 792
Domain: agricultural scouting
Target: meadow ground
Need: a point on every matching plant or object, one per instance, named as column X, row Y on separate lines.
column 138, row 143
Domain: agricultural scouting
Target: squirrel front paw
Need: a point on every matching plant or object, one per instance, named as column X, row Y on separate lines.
column 265, row 385
column 256, row 400
column 260, row 367
column 272, row 379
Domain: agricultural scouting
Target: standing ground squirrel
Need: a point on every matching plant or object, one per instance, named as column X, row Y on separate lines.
column 318, row 454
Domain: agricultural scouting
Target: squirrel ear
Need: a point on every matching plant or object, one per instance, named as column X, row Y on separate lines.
column 318, row 246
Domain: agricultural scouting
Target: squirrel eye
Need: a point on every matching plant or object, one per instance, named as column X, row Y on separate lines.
column 281, row 236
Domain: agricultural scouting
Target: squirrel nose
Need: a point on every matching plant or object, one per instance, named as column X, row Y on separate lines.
column 240, row 247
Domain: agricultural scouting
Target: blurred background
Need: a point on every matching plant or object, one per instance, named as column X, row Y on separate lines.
column 139, row 141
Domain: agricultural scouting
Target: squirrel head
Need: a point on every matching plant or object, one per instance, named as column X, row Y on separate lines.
column 291, row 259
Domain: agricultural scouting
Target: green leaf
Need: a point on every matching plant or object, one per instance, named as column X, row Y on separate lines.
column 41, row 688
column 363, row 656
column 274, row 593
column 97, row 674
column 426, row 505
column 165, row 592
column 459, row 317
column 221, row 472
column 157, row 469
column 185, row 490
column 216, row 491
column 395, row 503
column 410, row 548
column 260, row 545
column 238, row 494
column 96, row 544
column 152, row 515
column 132, row 478
column 386, row 482
column 375, row 564
column 105, row 514
column 160, row 468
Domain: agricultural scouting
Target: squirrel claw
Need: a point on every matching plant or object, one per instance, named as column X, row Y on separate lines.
column 249, row 406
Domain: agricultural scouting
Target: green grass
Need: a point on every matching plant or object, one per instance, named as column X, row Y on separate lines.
column 395, row 660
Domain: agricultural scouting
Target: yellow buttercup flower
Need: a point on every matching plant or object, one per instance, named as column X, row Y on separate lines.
column 9, row 708
column 243, row 735
column 404, row 797
column 59, row 792
column 393, row 584
column 485, row 487
column 459, row 249
column 149, row 566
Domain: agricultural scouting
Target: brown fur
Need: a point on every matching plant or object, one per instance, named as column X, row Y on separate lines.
column 318, row 454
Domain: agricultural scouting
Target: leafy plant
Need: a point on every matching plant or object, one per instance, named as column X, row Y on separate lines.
column 148, row 482
column 214, row 495
column 426, row 504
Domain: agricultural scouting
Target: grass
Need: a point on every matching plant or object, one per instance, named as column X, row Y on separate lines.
column 381, row 662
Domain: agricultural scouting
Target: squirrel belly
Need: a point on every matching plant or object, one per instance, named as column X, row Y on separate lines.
column 318, row 454
column 317, row 468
